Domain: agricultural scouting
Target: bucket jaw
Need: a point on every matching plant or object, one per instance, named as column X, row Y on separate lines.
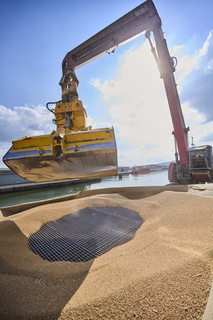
column 80, row 155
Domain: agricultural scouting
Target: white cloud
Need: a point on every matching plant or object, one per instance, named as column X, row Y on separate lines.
column 24, row 121
column 185, row 64
column 197, row 90
column 139, row 109
column 199, row 128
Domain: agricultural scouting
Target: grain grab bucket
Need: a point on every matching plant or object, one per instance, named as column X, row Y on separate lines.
column 76, row 155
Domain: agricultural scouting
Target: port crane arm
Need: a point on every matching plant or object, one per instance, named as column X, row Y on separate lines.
column 132, row 24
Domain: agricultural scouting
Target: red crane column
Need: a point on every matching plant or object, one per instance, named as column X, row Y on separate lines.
column 166, row 69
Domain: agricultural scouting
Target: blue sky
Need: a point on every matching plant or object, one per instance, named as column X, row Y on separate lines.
column 123, row 89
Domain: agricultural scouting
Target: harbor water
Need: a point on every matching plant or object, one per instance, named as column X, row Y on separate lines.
column 155, row 178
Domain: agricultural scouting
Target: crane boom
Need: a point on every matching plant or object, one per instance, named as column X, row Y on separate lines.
column 132, row 24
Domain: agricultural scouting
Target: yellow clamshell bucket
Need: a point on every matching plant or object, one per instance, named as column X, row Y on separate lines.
column 73, row 151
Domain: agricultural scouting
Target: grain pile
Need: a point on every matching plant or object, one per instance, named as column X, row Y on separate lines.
column 164, row 272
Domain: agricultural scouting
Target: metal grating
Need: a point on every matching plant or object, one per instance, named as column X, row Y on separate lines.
column 86, row 234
